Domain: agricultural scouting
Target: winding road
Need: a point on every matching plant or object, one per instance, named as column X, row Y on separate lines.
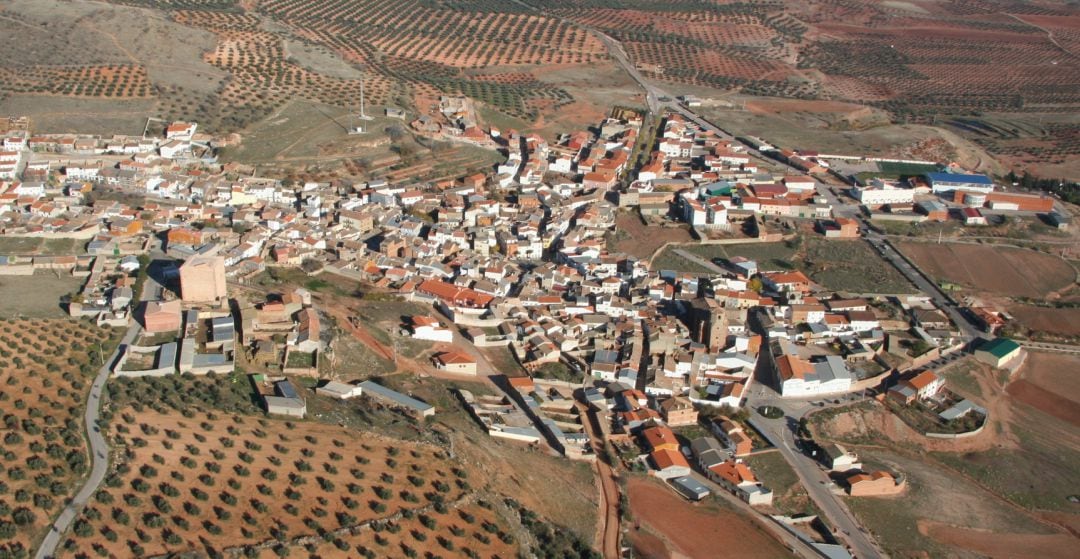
column 99, row 447
column 99, row 452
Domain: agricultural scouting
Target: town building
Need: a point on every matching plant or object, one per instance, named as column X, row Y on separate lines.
column 202, row 280
column 999, row 352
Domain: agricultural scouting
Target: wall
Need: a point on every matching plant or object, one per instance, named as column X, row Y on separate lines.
column 142, row 350
column 959, row 435
column 17, row 270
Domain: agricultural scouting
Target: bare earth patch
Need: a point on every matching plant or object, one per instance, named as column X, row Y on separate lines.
column 1006, row 271
column 693, row 530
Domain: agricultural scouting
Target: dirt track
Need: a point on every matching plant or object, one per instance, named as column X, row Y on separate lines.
column 608, row 527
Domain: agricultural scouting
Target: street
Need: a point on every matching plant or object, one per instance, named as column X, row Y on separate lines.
column 813, row 478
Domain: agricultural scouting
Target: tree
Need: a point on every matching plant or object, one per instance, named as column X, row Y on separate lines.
column 23, row 516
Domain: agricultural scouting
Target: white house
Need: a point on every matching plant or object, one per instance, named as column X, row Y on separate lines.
column 800, row 378
column 427, row 328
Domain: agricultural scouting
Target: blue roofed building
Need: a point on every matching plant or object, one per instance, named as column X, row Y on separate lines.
column 949, row 182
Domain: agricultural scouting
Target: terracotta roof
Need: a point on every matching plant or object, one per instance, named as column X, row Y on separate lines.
column 792, row 367
column 665, row 459
column 659, row 437
column 454, row 358
column 922, row 380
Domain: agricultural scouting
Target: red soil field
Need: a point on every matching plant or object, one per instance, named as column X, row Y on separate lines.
column 1058, row 322
column 1048, row 383
column 1001, row 270
column 694, row 531
column 1048, row 546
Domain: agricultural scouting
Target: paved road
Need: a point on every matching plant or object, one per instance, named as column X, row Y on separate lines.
column 99, row 447
column 815, row 481
column 99, row 452
column 943, row 301
column 1058, row 348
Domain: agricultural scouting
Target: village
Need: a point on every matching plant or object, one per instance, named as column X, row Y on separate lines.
column 619, row 360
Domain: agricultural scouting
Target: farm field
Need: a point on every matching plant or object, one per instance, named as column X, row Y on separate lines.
column 847, row 129
column 571, row 494
column 46, row 372
column 37, row 295
column 666, row 515
column 1048, row 383
column 908, row 79
column 1064, row 322
column 268, row 480
column 1004, row 271
column 944, row 81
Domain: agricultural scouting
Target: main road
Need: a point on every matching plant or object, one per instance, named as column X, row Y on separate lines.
column 817, row 485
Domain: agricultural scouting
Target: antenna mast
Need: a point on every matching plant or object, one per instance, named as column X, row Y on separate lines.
column 363, row 116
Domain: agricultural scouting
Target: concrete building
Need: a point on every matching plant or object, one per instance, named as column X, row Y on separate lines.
column 455, row 362
column 161, row 316
column 735, row 476
column 202, row 279
column 873, row 484
column 398, row 400
column 949, row 182
column 690, row 488
column 998, row 352
column 881, row 192
column 427, row 328
column 339, row 390
column 285, row 401
column 799, row 378
column 669, row 463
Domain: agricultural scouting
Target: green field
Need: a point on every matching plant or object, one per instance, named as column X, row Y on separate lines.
column 669, row 260
column 851, row 266
column 774, row 472
column 895, row 169
column 307, row 131
column 1039, row 475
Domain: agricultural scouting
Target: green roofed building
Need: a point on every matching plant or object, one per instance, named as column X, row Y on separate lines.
column 998, row 352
